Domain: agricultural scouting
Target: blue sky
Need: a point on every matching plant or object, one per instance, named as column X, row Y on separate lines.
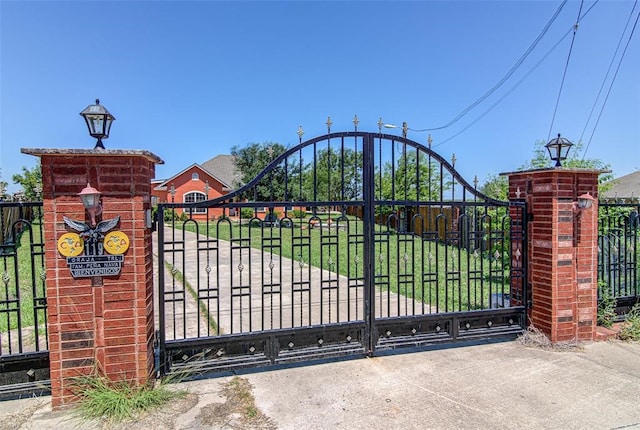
column 189, row 80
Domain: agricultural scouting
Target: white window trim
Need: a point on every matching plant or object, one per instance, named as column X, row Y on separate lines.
column 203, row 198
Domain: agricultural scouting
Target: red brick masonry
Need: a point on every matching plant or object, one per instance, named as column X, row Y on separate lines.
column 102, row 322
column 562, row 250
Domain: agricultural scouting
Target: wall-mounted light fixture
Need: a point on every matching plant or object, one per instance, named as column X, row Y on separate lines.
column 98, row 120
column 91, row 200
column 584, row 202
column 558, row 149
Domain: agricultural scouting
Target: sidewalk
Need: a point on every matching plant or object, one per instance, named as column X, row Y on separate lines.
column 496, row 386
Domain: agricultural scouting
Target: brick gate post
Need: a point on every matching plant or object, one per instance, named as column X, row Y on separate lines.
column 106, row 322
column 562, row 254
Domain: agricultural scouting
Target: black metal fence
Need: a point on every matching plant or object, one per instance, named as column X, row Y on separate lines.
column 348, row 243
column 618, row 256
column 24, row 358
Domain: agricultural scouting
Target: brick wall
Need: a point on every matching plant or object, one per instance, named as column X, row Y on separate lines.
column 101, row 323
column 562, row 250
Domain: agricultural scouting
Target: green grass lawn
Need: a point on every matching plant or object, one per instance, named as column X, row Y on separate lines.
column 449, row 278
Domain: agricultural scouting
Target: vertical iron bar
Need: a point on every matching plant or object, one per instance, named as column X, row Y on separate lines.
column 161, row 317
column 369, row 231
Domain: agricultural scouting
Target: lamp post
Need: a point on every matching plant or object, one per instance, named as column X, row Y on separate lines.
column 91, row 200
column 98, row 121
column 558, row 149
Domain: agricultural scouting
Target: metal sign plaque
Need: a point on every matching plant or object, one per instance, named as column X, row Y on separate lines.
column 85, row 250
column 88, row 266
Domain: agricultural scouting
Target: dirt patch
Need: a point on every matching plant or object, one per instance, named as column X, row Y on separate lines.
column 238, row 411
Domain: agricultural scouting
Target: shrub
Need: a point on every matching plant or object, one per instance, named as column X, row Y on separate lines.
column 299, row 213
column 246, row 213
column 170, row 215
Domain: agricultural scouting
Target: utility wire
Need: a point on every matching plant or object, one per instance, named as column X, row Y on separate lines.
column 515, row 86
column 506, row 76
column 611, row 85
column 606, row 76
column 566, row 67
column 564, row 36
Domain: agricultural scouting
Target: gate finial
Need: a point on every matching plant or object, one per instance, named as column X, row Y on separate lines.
column 300, row 132
column 329, row 123
column 405, row 128
column 380, row 124
column 355, row 122
column 429, row 140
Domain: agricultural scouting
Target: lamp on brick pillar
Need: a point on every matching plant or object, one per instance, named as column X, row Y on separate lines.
column 98, row 120
column 584, row 202
column 558, row 149
column 91, row 200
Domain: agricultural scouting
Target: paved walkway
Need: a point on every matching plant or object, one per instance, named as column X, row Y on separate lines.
column 493, row 386
column 219, row 273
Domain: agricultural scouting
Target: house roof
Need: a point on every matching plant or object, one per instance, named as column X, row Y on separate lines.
column 223, row 168
column 624, row 186
column 163, row 183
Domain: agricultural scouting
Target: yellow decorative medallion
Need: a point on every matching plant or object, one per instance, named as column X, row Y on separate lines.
column 116, row 242
column 70, row 245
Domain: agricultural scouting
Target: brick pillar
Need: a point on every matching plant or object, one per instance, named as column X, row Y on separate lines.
column 101, row 322
column 562, row 252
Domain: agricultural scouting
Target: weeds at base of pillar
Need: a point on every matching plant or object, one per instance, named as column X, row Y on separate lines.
column 606, row 307
column 630, row 329
column 534, row 338
column 116, row 401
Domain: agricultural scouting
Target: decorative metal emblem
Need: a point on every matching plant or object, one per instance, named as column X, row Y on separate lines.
column 85, row 250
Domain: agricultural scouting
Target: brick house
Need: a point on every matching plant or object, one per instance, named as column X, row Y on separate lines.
column 198, row 182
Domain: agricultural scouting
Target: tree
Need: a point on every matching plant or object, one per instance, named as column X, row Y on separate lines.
column 412, row 178
column 251, row 161
column 3, row 186
column 336, row 175
column 31, row 182
column 498, row 186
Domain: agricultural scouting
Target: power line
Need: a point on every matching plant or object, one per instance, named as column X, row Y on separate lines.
column 611, row 85
column 506, row 76
column 606, row 76
column 544, row 57
column 566, row 67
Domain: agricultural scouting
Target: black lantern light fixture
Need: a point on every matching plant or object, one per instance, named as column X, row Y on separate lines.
column 558, row 149
column 98, row 121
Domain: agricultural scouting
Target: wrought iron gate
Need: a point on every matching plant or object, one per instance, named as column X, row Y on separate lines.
column 348, row 243
column 24, row 355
